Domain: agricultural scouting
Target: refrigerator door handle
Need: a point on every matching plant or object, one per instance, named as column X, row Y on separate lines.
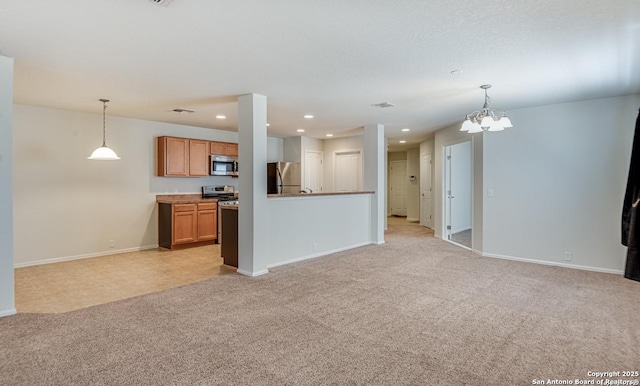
column 279, row 184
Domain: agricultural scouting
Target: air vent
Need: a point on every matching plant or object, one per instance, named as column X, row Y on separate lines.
column 383, row 105
column 183, row 111
column 164, row 3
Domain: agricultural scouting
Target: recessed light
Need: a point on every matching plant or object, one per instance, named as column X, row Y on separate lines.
column 183, row 111
column 308, row 116
column 329, row 135
column 403, row 141
column 221, row 117
column 406, row 129
column 300, row 130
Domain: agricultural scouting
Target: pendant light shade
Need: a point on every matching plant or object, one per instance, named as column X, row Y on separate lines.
column 104, row 153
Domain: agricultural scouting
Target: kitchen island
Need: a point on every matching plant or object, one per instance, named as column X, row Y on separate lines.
column 317, row 194
column 229, row 242
column 307, row 225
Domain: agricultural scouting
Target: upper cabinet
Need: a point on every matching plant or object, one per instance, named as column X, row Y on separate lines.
column 224, row 148
column 182, row 157
column 173, row 157
column 198, row 158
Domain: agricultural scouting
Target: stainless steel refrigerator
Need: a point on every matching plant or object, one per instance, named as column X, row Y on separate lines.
column 283, row 177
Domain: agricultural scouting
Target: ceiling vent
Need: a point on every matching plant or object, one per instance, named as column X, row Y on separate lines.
column 383, row 104
column 164, row 3
column 183, row 111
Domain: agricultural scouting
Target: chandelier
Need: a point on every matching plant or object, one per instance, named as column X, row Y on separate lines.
column 104, row 153
column 486, row 119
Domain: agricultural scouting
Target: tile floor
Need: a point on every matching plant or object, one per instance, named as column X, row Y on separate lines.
column 71, row 285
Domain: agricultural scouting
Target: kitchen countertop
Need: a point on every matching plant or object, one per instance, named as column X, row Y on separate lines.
column 318, row 194
column 183, row 199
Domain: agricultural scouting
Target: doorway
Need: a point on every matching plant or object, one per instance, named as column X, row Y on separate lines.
column 398, row 187
column 348, row 171
column 426, row 202
column 458, row 188
column 313, row 170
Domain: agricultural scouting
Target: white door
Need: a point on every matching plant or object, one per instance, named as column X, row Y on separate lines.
column 313, row 170
column 347, row 172
column 398, row 187
column 458, row 173
column 426, row 191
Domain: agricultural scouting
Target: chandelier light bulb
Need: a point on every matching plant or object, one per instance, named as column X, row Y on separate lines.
column 466, row 125
column 476, row 127
column 505, row 122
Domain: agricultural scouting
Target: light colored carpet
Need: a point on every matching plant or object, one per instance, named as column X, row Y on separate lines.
column 462, row 238
column 415, row 310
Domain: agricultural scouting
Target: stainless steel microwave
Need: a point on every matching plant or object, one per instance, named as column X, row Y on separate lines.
column 222, row 165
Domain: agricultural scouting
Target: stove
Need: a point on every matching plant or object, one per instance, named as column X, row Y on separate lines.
column 222, row 193
column 225, row 196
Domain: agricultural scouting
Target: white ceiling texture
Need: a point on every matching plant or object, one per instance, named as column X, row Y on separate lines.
column 333, row 59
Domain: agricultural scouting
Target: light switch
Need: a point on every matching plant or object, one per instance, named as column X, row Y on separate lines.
column 490, row 192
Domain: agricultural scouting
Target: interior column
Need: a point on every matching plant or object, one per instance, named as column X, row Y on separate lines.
column 7, row 303
column 374, row 178
column 252, row 170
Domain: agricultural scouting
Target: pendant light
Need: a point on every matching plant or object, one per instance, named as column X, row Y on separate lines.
column 486, row 119
column 104, row 153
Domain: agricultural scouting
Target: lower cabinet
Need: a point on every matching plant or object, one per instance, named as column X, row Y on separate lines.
column 183, row 225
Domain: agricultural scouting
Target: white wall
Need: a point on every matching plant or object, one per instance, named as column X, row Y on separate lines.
column 7, row 305
column 275, row 149
column 304, row 227
column 413, row 187
column 461, row 174
column 331, row 146
column 292, row 151
column 559, row 177
column 73, row 206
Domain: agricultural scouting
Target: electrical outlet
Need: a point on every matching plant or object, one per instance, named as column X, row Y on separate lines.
column 112, row 243
column 568, row 256
column 315, row 247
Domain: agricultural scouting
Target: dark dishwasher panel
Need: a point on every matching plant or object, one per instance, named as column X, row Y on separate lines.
column 229, row 247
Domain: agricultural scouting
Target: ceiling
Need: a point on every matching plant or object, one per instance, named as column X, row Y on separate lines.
column 332, row 58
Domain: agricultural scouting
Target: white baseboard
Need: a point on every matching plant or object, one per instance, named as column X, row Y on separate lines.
column 252, row 274
column 307, row 257
column 8, row 312
column 413, row 219
column 85, row 256
column 553, row 263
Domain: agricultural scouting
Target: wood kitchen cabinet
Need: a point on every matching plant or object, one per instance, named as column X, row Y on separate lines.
column 184, row 225
column 207, row 221
column 183, row 157
column 224, row 148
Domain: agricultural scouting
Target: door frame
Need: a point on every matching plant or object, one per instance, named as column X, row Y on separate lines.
column 443, row 219
column 423, row 183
